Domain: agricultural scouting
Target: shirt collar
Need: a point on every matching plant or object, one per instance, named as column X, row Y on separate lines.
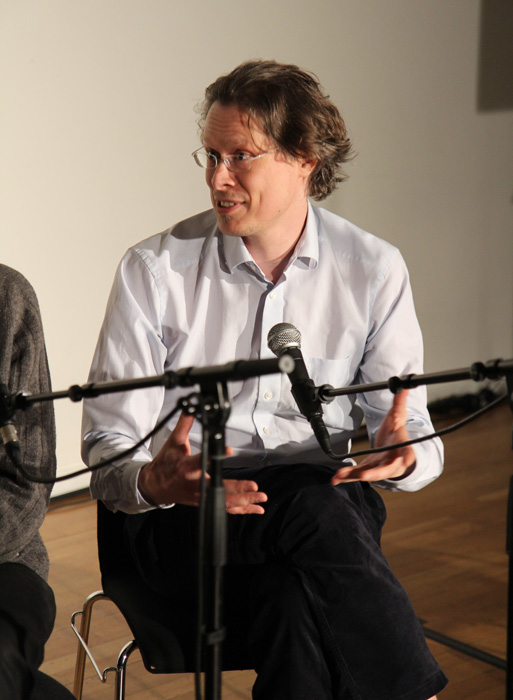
column 307, row 249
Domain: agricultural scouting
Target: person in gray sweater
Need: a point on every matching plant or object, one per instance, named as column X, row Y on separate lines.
column 27, row 605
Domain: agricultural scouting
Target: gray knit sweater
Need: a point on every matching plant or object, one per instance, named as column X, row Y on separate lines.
column 24, row 367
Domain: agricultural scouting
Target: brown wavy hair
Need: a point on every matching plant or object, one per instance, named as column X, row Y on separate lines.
column 293, row 110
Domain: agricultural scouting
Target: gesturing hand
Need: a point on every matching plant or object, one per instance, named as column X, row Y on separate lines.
column 390, row 464
column 174, row 475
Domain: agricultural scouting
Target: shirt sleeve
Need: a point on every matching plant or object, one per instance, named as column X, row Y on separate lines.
column 130, row 345
column 394, row 347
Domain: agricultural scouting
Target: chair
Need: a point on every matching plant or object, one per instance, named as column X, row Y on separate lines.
column 166, row 641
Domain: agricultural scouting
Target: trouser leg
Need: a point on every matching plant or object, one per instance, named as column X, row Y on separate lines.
column 27, row 614
column 281, row 631
column 369, row 633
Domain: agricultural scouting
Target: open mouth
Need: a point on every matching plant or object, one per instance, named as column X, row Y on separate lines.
column 226, row 205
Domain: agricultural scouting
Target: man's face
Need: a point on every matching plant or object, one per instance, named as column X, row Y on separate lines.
column 269, row 198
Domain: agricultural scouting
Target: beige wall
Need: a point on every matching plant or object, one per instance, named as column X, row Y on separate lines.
column 97, row 126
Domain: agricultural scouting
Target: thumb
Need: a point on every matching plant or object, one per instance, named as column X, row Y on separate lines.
column 398, row 411
column 180, row 435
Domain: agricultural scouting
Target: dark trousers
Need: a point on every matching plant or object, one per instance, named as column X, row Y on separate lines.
column 27, row 615
column 323, row 615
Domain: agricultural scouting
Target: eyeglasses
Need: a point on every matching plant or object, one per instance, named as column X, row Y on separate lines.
column 238, row 162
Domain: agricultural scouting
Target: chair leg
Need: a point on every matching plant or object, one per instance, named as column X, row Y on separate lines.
column 123, row 657
column 83, row 634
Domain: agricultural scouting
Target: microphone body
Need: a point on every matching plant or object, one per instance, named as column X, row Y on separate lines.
column 8, row 434
column 9, row 437
column 283, row 340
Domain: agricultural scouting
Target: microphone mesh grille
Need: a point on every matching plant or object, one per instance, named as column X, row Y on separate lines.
column 281, row 336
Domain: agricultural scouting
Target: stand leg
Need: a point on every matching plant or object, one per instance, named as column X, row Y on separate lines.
column 214, row 591
column 509, row 627
column 509, row 551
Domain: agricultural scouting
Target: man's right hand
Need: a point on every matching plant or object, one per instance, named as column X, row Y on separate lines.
column 174, row 476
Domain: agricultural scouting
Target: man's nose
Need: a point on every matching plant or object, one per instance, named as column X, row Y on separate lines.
column 221, row 176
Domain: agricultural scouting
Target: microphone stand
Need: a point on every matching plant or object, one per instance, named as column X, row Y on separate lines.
column 237, row 370
column 215, row 411
column 494, row 369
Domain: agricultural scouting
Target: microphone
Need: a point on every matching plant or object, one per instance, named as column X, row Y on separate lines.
column 284, row 339
column 8, row 433
column 11, row 442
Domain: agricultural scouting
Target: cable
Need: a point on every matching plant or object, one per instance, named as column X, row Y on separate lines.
column 424, row 438
column 181, row 406
column 184, row 404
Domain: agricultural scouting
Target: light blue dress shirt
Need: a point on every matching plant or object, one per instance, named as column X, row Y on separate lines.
column 192, row 296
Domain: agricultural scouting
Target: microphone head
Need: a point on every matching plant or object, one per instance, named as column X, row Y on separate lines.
column 282, row 336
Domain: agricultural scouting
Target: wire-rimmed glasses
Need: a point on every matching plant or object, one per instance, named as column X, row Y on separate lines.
column 237, row 162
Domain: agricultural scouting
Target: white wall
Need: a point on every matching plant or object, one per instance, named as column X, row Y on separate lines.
column 97, row 126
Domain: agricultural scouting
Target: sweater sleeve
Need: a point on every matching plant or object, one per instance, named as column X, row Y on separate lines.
column 24, row 367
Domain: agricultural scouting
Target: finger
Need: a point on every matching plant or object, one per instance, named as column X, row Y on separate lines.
column 245, row 502
column 251, row 509
column 245, row 499
column 368, row 472
column 239, row 486
column 348, row 475
column 180, row 435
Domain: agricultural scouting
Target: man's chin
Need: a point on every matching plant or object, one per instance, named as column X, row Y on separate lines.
column 228, row 226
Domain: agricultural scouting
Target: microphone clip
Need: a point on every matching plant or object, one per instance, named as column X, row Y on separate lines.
column 322, row 393
column 6, row 405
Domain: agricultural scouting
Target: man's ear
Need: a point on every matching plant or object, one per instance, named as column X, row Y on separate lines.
column 308, row 166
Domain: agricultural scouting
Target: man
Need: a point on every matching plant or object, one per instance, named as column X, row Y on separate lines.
column 327, row 618
column 27, row 605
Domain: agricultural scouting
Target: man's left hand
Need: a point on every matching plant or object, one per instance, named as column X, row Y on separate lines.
column 390, row 464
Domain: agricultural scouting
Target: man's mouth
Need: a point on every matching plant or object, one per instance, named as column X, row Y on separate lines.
column 227, row 205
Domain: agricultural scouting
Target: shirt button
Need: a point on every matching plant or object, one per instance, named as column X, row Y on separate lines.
column 266, row 430
column 268, row 395
column 272, row 295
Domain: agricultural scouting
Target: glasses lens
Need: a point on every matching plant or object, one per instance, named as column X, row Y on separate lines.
column 205, row 159
column 239, row 161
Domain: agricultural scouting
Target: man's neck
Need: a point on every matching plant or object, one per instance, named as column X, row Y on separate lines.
column 272, row 254
column 272, row 267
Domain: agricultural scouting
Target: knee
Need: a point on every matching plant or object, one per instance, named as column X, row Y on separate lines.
column 325, row 525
